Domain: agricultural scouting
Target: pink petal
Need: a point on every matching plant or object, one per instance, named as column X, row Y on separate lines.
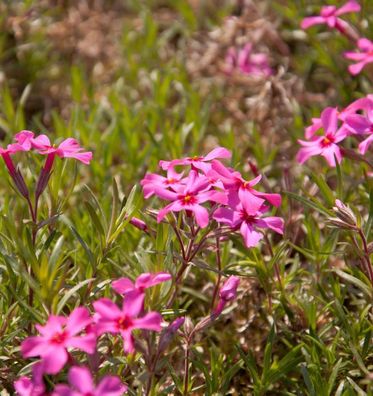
column 364, row 145
column 81, row 379
column 250, row 202
column 41, row 142
column 107, row 309
column 110, row 386
column 123, row 285
column 329, row 153
column 311, row 21
column 274, row 223
column 133, row 303
column 224, row 215
column 86, row 343
column 329, row 120
column 251, row 237
column 78, row 320
column 305, row 153
column 202, row 215
column 219, row 152
column 151, row 321
column 357, row 68
column 54, row 324
column 350, row 6
column 128, row 341
column 358, row 123
column 55, row 360
column 33, row 346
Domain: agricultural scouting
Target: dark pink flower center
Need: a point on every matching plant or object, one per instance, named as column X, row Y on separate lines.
column 188, row 199
column 124, row 322
column 249, row 219
column 170, row 181
column 59, row 338
column 327, row 141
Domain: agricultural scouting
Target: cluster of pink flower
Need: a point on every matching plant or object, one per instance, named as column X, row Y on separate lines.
column 247, row 62
column 80, row 331
column 26, row 141
column 355, row 120
column 329, row 15
column 230, row 199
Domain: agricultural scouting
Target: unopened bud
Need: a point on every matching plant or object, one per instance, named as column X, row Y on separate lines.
column 188, row 326
column 344, row 213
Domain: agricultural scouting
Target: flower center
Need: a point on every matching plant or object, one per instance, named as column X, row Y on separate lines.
column 59, row 338
column 124, row 323
column 195, row 158
column 170, row 181
column 327, row 141
column 249, row 219
column 188, row 199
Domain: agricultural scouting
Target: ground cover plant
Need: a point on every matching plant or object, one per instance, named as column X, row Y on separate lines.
column 186, row 197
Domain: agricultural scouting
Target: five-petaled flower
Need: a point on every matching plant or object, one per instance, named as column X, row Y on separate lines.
column 363, row 57
column 111, row 319
column 58, row 334
column 329, row 15
column 326, row 145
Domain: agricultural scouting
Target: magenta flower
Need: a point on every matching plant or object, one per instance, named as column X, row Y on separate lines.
column 363, row 57
column 24, row 139
column 227, row 292
column 58, row 334
column 189, row 197
column 325, row 145
column 329, row 15
column 132, row 290
column 68, row 148
column 247, row 216
column 112, row 319
column 82, row 384
column 152, row 180
column 25, row 386
column 232, row 180
column 198, row 162
column 362, row 124
column 247, row 62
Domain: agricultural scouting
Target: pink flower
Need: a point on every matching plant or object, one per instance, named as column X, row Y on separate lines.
column 82, row 384
column 325, row 145
column 362, row 124
column 113, row 320
column 248, row 62
column 24, row 139
column 233, row 180
column 363, row 57
column 58, row 334
column 227, row 292
column 132, row 290
column 329, row 15
column 152, row 180
column 189, row 197
column 198, row 162
column 68, row 148
column 247, row 216
column 25, row 386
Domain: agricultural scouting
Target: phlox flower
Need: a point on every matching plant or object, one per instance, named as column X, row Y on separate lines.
column 68, row 148
column 362, row 57
column 82, row 384
column 247, row 216
column 152, row 180
column 363, row 124
column 329, row 15
column 25, row 386
column 111, row 319
column 58, row 334
column 232, row 180
column 325, row 145
column 247, row 62
column 189, row 197
column 198, row 162
column 352, row 108
column 132, row 290
column 227, row 292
